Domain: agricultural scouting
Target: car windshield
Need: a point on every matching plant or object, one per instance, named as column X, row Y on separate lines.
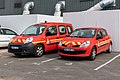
column 84, row 33
column 33, row 30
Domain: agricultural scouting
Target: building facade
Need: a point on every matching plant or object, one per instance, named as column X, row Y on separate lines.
column 15, row 7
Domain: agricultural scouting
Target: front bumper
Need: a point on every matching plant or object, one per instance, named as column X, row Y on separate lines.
column 23, row 49
column 75, row 52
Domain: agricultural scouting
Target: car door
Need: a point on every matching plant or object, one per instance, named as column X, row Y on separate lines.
column 6, row 35
column 100, row 40
column 51, row 37
column 105, row 38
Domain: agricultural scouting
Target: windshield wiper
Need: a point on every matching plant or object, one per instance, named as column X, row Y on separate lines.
column 72, row 36
column 78, row 36
column 22, row 34
column 28, row 34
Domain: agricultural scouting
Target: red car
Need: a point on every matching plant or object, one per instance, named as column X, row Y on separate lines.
column 85, row 42
column 39, row 38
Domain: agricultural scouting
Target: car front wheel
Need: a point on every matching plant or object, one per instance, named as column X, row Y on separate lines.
column 38, row 51
column 93, row 54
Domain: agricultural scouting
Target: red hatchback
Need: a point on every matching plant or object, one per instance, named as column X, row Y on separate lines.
column 85, row 42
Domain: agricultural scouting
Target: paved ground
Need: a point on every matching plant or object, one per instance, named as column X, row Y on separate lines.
column 51, row 67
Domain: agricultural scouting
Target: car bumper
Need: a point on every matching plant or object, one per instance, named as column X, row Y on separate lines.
column 23, row 49
column 75, row 52
column 4, row 44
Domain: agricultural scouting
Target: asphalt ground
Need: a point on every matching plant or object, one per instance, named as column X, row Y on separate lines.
column 51, row 67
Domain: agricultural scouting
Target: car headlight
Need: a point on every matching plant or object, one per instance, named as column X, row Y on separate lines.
column 85, row 44
column 28, row 40
column 60, row 43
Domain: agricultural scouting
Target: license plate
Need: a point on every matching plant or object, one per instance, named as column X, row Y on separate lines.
column 68, row 49
column 14, row 47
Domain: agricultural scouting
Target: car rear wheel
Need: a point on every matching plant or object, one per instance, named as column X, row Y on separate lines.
column 110, row 49
column 39, row 50
column 93, row 54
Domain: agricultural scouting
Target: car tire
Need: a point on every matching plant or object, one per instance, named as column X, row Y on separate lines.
column 39, row 51
column 109, row 49
column 93, row 54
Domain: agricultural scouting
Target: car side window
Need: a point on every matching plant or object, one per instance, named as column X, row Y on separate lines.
column 104, row 32
column 69, row 29
column 62, row 30
column 99, row 35
column 41, row 29
column 9, row 32
column 51, row 31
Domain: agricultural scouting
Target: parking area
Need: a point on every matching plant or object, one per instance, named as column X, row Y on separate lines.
column 51, row 67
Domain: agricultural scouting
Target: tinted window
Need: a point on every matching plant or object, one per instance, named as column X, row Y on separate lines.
column 51, row 31
column 104, row 32
column 69, row 30
column 83, row 33
column 9, row 32
column 62, row 30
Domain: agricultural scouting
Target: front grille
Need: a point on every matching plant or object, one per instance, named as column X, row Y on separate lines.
column 72, row 46
column 20, row 49
column 72, row 52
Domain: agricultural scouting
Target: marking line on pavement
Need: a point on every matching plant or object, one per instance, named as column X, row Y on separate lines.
column 107, row 62
column 50, row 60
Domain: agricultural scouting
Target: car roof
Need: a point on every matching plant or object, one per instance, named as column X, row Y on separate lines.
column 49, row 23
column 3, row 28
column 90, row 28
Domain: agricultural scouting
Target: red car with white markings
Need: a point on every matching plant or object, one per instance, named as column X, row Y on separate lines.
column 85, row 42
column 39, row 38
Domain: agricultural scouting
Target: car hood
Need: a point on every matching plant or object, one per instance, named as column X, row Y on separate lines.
column 22, row 39
column 19, row 39
column 75, row 41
